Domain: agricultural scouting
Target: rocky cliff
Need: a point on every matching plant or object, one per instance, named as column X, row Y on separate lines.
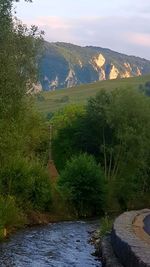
column 67, row 65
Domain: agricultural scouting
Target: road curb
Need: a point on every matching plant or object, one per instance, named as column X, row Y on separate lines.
column 131, row 249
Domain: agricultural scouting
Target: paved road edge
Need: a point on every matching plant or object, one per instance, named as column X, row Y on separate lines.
column 131, row 249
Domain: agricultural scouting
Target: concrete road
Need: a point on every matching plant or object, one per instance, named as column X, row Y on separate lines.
column 147, row 224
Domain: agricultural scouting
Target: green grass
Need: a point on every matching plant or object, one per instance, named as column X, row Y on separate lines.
column 53, row 101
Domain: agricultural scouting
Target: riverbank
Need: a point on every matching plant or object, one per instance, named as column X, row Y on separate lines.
column 103, row 249
column 33, row 218
column 37, row 218
column 128, row 243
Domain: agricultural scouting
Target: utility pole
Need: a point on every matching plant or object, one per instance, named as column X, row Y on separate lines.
column 51, row 165
column 50, row 142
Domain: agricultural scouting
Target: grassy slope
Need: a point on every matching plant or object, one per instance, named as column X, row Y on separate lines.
column 52, row 101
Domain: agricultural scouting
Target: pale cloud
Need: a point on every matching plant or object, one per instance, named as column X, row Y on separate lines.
column 54, row 23
column 122, row 26
column 104, row 31
column 140, row 39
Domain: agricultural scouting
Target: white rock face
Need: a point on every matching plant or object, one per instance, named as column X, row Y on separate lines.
column 54, row 83
column 100, row 61
column 101, row 72
column 35, row 89
column 102, row 75
column 71, row 79
column 80, row 64
column 98, row 65
column 126, row 74
column 128, row 66
column 113, row 73
column 138, row 72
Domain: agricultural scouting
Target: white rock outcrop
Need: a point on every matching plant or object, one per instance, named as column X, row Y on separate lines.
column 71, row 79
column 54, row 83
column 100, row 61
column 34, row 89
column 113, row 73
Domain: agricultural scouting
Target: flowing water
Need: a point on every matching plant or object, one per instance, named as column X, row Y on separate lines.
column 62, row 244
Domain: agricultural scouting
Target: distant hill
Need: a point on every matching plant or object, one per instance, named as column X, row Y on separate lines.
column 48, row 102
column 67, row 65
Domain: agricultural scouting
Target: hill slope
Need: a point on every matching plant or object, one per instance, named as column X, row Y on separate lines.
column 47, row 102
column 67, row 65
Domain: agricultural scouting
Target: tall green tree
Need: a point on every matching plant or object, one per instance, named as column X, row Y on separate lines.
column 117, row 130
column 19, row 47
column 66, row 133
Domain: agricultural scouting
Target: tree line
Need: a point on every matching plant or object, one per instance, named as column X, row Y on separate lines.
column 114, row 129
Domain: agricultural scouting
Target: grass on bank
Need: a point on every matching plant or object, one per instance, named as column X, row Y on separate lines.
column 106, row 224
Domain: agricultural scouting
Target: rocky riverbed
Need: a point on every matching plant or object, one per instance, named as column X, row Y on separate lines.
column 61, row 244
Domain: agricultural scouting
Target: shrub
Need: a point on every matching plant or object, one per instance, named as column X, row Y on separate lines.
column 82, row 184
column 10, row 215
column 49, row 115
column 28, row 182
column 41, row 188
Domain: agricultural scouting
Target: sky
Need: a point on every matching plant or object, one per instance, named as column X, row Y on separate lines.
column 121, row 25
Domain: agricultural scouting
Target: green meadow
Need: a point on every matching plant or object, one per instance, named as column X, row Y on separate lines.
column 52, row 101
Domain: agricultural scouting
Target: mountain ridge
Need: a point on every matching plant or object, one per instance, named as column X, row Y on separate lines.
column 67, row 65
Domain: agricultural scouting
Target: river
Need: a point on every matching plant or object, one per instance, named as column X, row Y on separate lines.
column 62, row 244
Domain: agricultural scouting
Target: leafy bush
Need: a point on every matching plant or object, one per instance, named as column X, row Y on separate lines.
column 145, row 88
column 36, row 136
column 49, row 115
column 82, row 184
column 28, row 182
column 10, row 214
column 41, row 188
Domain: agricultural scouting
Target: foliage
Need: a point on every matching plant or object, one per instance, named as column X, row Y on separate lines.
column 118, row 124
column 19, row 47
column 117, row 133
column 41, row 188
column 105, row 225
column 23, row 136
column 49, row 116
column 145, row 88
column 10, row 214
column 133, row 191
column 28, row 182
column 65, row 130
column 35, row 134
column 82, row 184
column 114, row 128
